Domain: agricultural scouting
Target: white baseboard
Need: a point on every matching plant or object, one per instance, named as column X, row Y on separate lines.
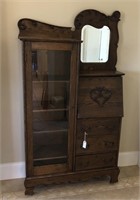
column 17, row 170
column 128, row 158
column 12, row 170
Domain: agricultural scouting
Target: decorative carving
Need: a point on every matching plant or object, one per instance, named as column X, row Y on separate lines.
column 100, row 95
column 35, row 30
column 42, row 31
column 21, row 25
column 115, row 16
column 90, row 17
column 95, row 18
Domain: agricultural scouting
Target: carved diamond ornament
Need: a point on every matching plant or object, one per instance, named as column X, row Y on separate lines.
column 100, row 95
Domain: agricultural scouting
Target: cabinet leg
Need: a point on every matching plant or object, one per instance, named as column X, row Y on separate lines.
column 114, row 179
column 29, row 191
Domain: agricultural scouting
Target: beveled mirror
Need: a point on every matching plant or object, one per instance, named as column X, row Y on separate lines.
column 95, row 44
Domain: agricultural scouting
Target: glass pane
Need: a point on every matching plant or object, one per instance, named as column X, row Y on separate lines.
column 50, row 75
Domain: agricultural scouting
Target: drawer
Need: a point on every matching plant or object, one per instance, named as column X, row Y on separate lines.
column 100, row 97
column 97, row 144
column 102, row 135
column 96, row 161
column 98, row 126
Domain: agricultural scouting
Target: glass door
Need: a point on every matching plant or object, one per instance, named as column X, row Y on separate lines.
column 50, row 95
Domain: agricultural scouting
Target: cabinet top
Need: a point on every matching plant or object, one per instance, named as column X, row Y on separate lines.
column 38, row 31
column 91, row 73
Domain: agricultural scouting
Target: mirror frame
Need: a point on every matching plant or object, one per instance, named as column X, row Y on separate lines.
column 98, row 20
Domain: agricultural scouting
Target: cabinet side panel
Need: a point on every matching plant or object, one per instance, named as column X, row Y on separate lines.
column 28, row 107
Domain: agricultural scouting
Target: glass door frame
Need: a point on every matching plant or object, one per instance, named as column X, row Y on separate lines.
column 29, row 47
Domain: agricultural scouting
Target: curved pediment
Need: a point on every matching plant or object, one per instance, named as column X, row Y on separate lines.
column 32, row 29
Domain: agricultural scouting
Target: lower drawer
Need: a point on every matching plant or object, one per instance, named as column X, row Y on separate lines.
column 96, row 161
column 102, row 135
column 98, row 144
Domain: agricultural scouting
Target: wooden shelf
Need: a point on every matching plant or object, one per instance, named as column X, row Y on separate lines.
column 50, row 154
column 50, row 81
column 50, row 126
column 51, row 110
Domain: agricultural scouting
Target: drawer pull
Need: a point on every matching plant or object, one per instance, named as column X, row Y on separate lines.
column 84, row 143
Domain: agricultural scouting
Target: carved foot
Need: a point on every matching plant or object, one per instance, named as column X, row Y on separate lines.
column 114, row 179
column 29, row 191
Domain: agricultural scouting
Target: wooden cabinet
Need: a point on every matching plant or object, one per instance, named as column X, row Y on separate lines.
column 73, row 110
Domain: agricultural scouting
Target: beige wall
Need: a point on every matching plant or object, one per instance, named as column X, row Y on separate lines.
column 0, row 75
column 62, row 12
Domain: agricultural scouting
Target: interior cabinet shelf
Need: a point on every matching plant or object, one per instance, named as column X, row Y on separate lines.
column 51, row 110
column 52, row 131
column 52, row 81
column 42, row 126
column 44, row 153
column 52, row 160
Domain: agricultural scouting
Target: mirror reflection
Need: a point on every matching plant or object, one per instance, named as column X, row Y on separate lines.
column 95, row 45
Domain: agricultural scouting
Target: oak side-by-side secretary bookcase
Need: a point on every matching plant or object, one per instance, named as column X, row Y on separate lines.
column 73, row 99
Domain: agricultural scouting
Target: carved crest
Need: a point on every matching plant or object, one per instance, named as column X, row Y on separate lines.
column 100, row 95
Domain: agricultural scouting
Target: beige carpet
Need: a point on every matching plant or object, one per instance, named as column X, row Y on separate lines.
column 126, row 189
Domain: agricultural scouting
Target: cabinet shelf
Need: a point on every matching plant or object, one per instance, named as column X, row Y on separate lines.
column 51, row 160
column 49, row 78
column 50, row 126
column 52, row 131
column 50, row 81
column 50, row 154
column 51, row 110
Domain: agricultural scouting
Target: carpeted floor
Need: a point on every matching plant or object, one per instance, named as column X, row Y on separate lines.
column 126, row 189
